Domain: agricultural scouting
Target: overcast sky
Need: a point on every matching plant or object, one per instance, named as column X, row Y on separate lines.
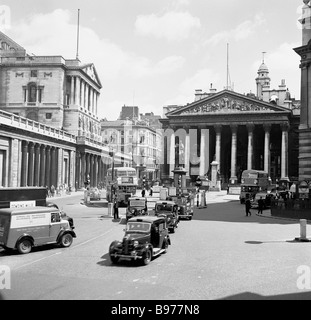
column 153, row 53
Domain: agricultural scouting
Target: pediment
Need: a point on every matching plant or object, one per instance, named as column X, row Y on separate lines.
column 90, row 70
column 226, row 102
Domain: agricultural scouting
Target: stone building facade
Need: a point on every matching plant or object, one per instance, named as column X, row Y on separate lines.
column 50, row 132
column 238, row 131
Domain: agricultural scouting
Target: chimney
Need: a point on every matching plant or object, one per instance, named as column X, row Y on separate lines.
column 198, row 95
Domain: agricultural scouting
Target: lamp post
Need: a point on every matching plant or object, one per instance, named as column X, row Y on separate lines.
column 111, row 154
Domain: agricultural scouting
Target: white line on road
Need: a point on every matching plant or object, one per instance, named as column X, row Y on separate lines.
column 32, row 262
column 80, row 244
column 57, row 253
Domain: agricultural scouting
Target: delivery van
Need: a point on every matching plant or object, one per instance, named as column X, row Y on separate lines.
column 25, row 228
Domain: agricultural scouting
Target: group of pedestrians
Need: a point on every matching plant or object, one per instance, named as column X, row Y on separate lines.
column 248, row 206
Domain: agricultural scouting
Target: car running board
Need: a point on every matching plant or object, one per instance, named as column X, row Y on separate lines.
column 157, row 251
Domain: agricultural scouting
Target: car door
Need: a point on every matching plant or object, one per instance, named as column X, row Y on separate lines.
column 55, row 226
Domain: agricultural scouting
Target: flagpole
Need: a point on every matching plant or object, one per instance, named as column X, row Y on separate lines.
column 78, row 32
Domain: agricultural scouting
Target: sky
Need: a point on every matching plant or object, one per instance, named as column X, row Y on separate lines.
column 154, row 53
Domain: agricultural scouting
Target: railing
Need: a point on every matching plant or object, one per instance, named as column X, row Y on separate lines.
column 34, row 60
column 33, row 126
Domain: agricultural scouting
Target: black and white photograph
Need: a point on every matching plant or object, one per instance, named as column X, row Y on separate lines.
column 155, row 154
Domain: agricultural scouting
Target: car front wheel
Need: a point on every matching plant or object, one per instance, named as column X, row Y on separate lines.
column 66, row 240
column 147, row 257
column 114, row 259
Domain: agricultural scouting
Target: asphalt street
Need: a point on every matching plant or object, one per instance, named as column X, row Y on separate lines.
column 220, row 254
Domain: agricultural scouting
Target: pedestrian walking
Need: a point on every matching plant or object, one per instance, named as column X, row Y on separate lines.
column 115, row 210
column 248, row 206
column 151, row 192
column 260, row 205
column 143, row 192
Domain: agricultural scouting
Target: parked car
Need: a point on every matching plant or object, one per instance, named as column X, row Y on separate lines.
column 169, row 210
column 137, row 206
column 145, row 237
column 95, row 194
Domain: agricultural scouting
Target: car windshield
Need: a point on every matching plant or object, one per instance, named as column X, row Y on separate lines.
column 137, row 203
column 138, row 227
column 164, row 207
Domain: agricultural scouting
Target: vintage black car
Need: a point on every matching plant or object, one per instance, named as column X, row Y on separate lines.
column 145, row 238
column 168, row 209
column 185, row 207
column 137, row 206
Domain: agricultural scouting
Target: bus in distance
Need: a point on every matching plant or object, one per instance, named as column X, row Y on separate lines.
column 122, row 183
column 253, row 181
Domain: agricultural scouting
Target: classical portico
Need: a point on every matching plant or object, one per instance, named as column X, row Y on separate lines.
column 237, row 131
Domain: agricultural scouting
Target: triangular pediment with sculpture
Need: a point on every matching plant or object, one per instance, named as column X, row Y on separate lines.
column 226, row 102
column 90, row 70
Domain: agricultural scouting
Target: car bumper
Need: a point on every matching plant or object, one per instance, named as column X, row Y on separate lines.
column 132, row 256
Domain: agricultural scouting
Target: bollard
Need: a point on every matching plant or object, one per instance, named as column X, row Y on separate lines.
column 303, row 229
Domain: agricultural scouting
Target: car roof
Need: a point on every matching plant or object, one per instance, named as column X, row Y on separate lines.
column 148, row 219
column 165, row 202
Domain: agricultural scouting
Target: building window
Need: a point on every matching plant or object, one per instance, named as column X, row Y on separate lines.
column 34, row 73
column 48, row 116
column 32, row 97
column 33, row 93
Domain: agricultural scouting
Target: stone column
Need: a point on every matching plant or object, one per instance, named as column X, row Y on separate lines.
column 218, row 130
column 92, row 100
column 250, row 149
column 187, row 153
column 204, row 151
column 48, row 166
column 87, row 101
column 96, row 103
column 31, row 165
column 77, row 99
column 53, row 167
column 42, row 166
column 284, row 155
column 37, row 166
column 267, row 129
column 82, row 102
column 172, row 155
column 234, row 130
column 24, row 169
column 72, row 91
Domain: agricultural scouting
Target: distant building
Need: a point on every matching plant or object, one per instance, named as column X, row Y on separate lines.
column 238, row 131
column 137, row 136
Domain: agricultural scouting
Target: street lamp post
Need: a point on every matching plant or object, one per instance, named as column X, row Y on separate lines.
column 111, row 154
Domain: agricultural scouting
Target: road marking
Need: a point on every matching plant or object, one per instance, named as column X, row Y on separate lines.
column 57, row 253
column 80, row 244
column 32, row 262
